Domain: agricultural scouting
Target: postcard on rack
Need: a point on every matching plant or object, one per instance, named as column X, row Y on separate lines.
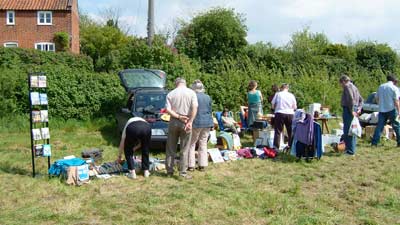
column 35, row 98
column 36, row 134
column 43, row 98
column 38, row 149
column 36, row 116
column 45, row 133
column 44, row 116
column 34, row 81
column 46, row 150
column 42, row 81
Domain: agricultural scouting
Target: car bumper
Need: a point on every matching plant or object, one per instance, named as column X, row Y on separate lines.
column 158, row 142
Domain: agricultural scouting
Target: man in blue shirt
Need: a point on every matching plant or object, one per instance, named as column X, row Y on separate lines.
column 389, row 109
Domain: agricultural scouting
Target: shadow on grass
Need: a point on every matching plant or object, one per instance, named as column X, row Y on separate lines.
column 11, row 169
column 110, row 133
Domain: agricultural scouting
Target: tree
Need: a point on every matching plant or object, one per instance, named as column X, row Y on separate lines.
column 103, row 44
column 376, row 56
column 306, row 47
column 215, row 34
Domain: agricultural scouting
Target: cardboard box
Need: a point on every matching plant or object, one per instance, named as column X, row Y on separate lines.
column 328, row 139
column 387, row 132
column 369, row 131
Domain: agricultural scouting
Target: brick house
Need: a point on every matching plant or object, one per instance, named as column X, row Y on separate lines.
column 33, row 23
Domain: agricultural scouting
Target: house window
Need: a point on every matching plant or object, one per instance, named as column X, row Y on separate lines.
column 11, row 44
column 45, row 46
column 10, row 18
column 45, row 17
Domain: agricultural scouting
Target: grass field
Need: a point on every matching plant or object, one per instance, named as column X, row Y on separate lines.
column 334, row 190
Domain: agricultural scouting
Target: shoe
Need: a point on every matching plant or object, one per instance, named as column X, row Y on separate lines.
column 146, row 173
column 131, row 175
column 191, row 169
column 185, row 176
column 202, row 168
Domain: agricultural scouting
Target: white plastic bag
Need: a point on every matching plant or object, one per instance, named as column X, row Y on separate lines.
column 236, row 142
column 213, row 137
column 355, row 128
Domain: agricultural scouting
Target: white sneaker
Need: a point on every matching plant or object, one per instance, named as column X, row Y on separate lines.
column 131, row 175
column 146, row 173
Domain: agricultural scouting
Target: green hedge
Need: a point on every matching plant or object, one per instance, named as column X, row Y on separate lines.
column 74, row 90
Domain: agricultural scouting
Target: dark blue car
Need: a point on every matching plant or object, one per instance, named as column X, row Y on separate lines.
column 146, row 90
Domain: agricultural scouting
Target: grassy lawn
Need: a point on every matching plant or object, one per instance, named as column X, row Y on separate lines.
column 334, row 190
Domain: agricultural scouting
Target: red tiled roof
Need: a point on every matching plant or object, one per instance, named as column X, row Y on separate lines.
column 35, row 4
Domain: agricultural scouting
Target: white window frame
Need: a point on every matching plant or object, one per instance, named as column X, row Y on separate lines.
column 47, row 44
column 11, row 43
column 8, row 18
column 45, row 18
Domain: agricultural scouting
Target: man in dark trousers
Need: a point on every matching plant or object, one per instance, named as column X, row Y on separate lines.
column 351, row 102
column 283, row 103
column 389, row 109
column 182, row 105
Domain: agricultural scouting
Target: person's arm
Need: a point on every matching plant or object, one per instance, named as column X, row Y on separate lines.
column 261, row 96
column 273, row 102
column 397, row 104
column 121, row 149
column 192, row 116
column 294, row 106
column 174, row 114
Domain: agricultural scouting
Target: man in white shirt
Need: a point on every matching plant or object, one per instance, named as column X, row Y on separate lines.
column 284, row 103
column 182, row 106
column 389, row 109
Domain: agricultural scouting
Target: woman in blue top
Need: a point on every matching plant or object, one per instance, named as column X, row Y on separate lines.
column 254, row 99
column 202, row 124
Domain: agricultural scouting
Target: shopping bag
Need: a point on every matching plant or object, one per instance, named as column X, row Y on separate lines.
column 236, row 142
column 355, row 128
column 213, row 137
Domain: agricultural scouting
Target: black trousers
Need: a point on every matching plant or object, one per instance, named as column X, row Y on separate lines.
column 138, row 132
column 281, row 120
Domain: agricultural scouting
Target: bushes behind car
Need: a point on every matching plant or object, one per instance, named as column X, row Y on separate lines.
column 74, row 89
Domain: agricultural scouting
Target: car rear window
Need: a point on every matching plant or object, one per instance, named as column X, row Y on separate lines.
column 132, row 79
column 150, row 102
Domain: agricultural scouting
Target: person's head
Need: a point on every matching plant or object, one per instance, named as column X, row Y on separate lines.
column 180, row 81
column 284, row 86
column 198, row 86
column 392, row 78
column 225, row 112
column 275, row 88
column 344, row 79
column 252, row 85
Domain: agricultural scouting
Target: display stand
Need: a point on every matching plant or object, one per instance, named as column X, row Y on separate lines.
column 39, row 122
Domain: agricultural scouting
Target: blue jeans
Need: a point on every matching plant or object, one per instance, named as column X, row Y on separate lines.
column 383, row 117
column 349, row 141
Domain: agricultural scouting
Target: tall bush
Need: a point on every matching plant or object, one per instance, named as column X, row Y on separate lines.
column 61, row 39
column 74, row 90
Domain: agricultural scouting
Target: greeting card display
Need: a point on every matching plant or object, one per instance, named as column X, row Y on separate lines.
column 39, row 112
